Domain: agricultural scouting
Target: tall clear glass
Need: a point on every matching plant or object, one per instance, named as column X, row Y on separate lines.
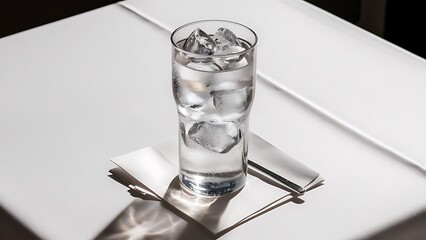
column 214, row 95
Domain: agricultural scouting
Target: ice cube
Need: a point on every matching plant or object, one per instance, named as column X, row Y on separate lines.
column 192, row 100
column 192, row 94
column 182, row 132
column 231, row 63
column 230, row 85
column 228, row 50
column 216, row 137
column 181, row 59
column 237, row 63
column 205, row 66
column 232, row 101
column 226, row 42
column 199, row 42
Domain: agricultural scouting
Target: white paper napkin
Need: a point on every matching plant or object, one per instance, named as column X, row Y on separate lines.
column 157, row 169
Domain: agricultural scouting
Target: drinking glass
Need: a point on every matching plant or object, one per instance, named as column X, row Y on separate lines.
column 213, row 87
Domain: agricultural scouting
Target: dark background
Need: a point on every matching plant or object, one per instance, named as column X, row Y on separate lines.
column 405, row 25
column 19, row 15
column 400, row 22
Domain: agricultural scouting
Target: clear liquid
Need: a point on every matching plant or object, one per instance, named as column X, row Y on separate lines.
column 213, row 107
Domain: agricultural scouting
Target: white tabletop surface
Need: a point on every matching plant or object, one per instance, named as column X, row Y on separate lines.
column 77, row 92
column 364, row 82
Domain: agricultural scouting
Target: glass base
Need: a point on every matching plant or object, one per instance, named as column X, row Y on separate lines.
column 209, row 188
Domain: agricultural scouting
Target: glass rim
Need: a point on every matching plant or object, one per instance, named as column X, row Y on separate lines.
column 213, row 56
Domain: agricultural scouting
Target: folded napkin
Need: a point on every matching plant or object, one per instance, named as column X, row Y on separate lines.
column 156, row 169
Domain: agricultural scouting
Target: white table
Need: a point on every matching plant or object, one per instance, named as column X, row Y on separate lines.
column 79, row 91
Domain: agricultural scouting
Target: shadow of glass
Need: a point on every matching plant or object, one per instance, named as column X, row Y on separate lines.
column 181, row 215
column 200, row 209
column 146, row 220
column 149, row 218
